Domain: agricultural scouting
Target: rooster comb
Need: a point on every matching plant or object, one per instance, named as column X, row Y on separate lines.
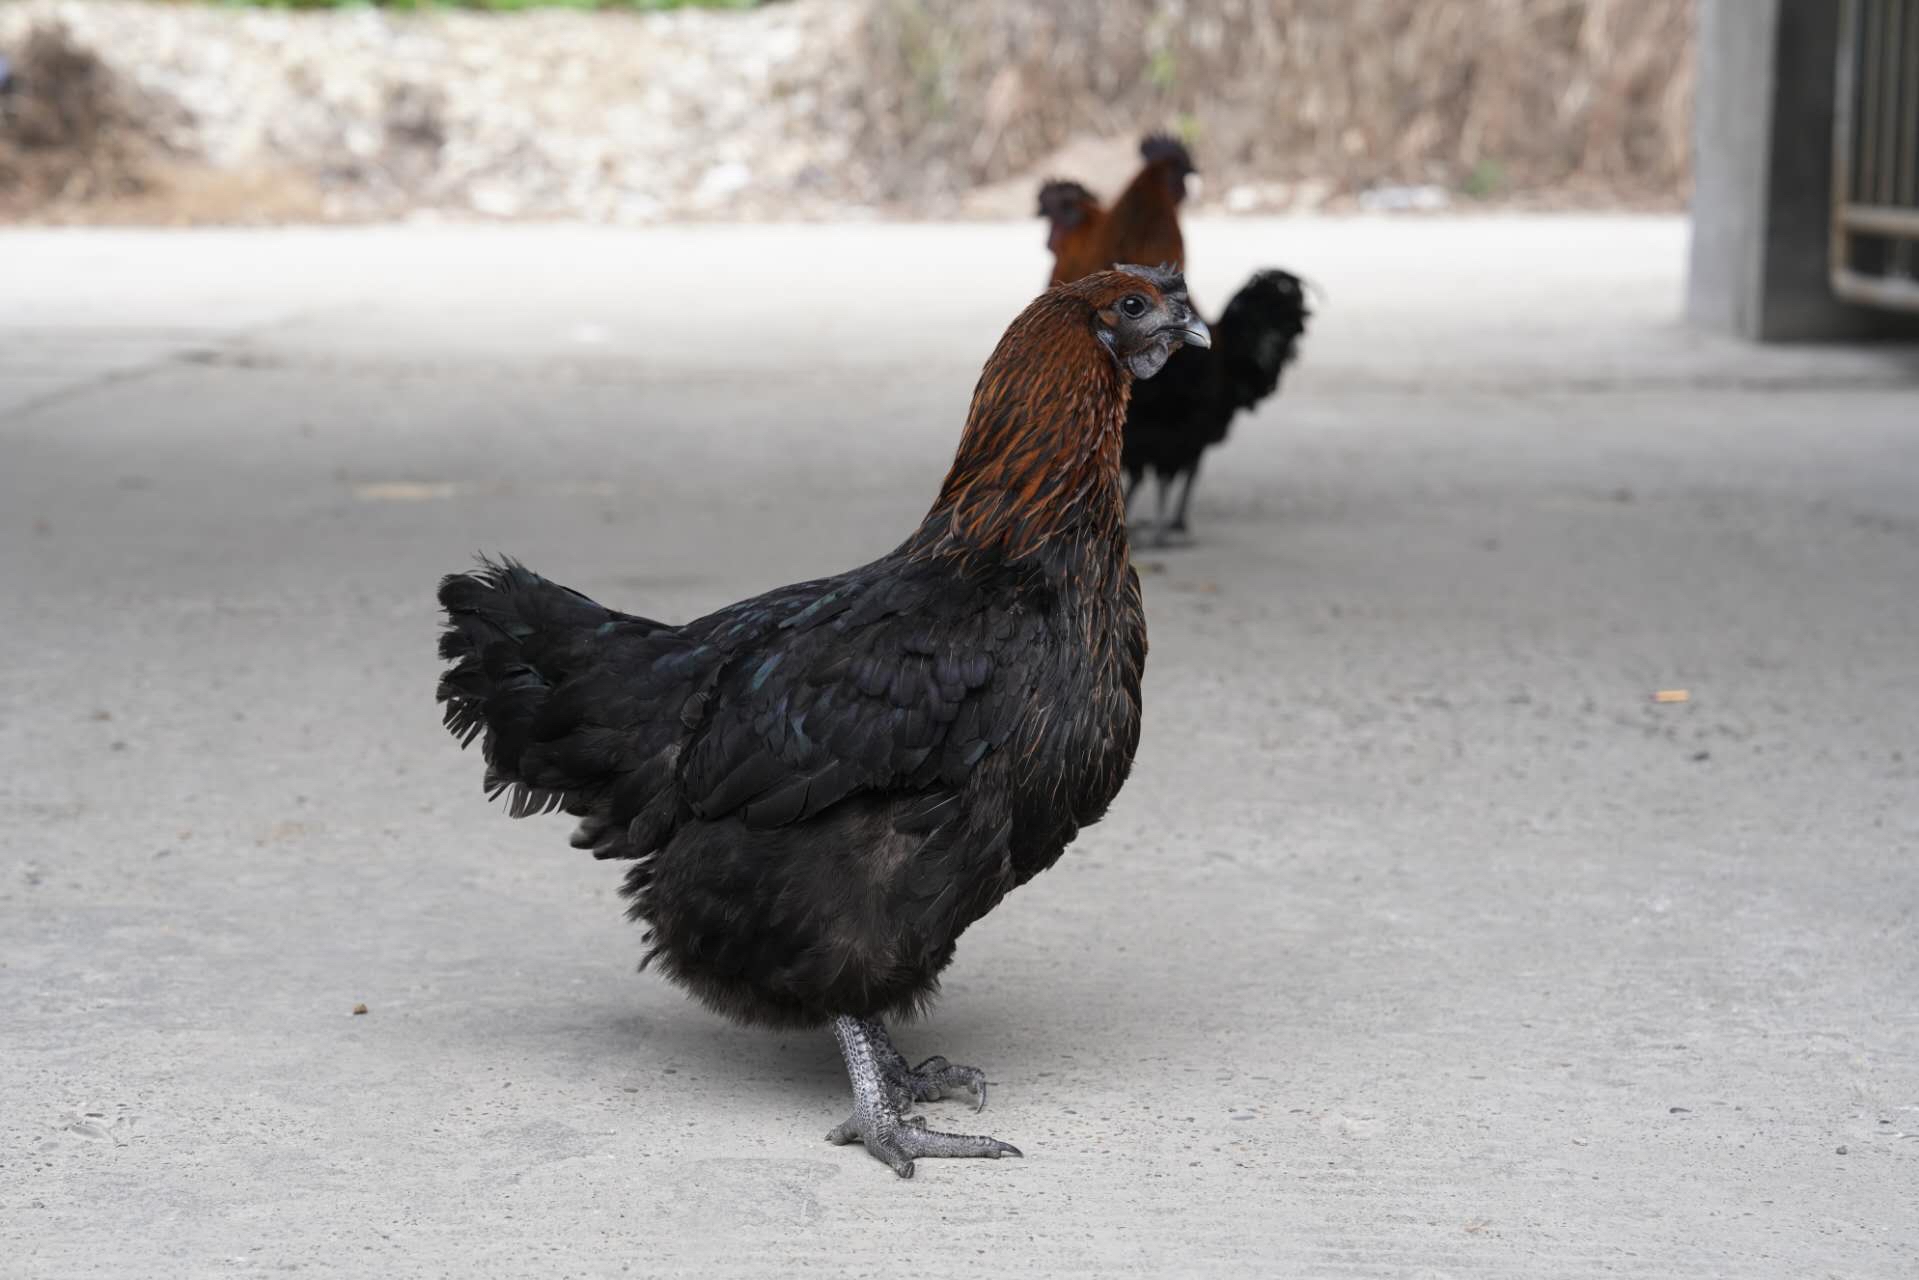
column 1167, row 279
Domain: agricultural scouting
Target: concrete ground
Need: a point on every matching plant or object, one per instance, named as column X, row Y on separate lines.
column 1422, row 943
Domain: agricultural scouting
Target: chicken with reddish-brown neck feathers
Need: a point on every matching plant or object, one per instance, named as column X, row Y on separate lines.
column 821, row 787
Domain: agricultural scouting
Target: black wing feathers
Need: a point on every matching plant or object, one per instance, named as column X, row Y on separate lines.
column 769, row 711
column 861, row 693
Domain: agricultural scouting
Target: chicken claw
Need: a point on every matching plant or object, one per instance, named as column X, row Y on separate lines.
column 929, row 1081
column 876, row 1120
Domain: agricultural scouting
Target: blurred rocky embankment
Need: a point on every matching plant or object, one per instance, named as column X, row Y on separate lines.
column 115, row 110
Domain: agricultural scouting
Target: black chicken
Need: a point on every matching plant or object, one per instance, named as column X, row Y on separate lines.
column 823, row 786
column 1185, row 411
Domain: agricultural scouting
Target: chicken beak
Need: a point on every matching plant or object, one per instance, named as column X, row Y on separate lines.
column 1194, row 332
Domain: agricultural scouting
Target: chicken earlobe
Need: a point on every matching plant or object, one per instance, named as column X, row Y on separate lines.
column 877, row 1121
column 1149, row 360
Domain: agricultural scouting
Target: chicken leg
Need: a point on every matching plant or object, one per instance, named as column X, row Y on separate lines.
column 1162, row 526
column 1185, row 496
column 877, row 1093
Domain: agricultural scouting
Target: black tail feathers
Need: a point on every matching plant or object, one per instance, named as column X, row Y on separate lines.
column 511, row 637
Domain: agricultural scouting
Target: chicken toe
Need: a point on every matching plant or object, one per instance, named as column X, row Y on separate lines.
column 930, row 1081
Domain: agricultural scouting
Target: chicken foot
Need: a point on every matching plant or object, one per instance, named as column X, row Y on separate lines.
column 876, row 1119
column 929, row 1081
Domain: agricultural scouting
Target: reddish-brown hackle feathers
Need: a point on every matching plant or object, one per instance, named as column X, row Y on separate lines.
column 1041, row 450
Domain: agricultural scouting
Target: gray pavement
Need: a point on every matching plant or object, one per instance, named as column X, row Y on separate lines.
column 1423, row 942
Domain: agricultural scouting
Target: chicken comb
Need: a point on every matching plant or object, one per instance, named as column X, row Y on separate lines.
column 1167, row 279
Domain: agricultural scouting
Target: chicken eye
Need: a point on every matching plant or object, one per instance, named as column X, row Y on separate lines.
column 1133, row 305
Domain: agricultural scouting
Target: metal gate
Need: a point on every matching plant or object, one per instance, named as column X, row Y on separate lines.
column 1875, row 157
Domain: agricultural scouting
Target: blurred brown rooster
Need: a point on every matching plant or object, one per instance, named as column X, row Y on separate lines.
column 1190, row 407
column 821, row 787
column 1143, row 223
